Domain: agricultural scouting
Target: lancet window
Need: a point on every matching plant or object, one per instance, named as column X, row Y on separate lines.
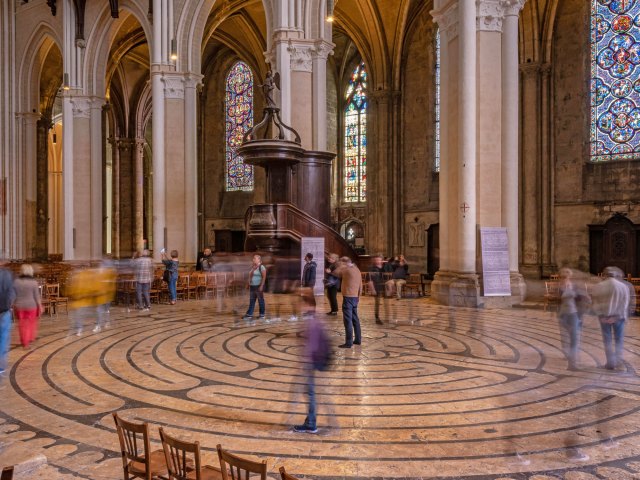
column 238, row 119
column 355, row 137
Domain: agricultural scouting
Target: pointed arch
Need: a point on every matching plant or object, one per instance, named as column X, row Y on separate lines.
column 39, row 44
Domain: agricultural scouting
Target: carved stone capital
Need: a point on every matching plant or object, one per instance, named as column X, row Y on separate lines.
column 174, row 85
column 82, row 106
column 512, row 8
column 490, row 14
column 300, row 55
column 447, row 20
column 322, row 49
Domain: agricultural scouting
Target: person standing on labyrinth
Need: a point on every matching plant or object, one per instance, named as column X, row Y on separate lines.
column 257, row 278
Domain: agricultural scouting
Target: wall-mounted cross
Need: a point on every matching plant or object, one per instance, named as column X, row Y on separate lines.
column 464, row 207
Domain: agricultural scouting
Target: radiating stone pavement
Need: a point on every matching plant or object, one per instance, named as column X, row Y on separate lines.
column 436, row 392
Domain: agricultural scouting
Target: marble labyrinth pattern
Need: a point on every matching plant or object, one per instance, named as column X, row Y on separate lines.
column 434, row 393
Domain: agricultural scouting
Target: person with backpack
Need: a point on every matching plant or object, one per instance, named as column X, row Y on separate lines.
column 318, row 352
column 257, row 278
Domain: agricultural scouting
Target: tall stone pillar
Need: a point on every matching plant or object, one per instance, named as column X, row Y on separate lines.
column 42, row 189
column 174, row 163
column 28, row 153
column 479, row 166
column 82, row 176
column 138, row 194
column 536, row 248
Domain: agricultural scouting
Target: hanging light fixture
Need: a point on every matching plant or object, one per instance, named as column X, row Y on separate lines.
column 174, row 50
column 331, row 5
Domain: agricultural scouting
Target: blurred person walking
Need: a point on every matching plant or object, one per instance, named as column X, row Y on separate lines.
column 570, row 321
column 28, row 305
column 332, row 283
column 317, row 349
column 171, row 266
column 611, row 304
column 144, row 277
column 351, row 281
column 257, row 279
column 7, row 297
column 309, row 272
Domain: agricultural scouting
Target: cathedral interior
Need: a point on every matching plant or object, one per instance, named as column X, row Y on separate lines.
column 411, row 127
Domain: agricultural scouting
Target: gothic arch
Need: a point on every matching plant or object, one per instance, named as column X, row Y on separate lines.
column 99, row 42
column 193, row 31
column 39, row 45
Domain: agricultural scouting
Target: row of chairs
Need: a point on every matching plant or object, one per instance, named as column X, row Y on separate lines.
column 414, row 283
column 196, row 285
column 178, row 459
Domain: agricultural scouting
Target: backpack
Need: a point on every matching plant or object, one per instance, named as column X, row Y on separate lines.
column 323, row 355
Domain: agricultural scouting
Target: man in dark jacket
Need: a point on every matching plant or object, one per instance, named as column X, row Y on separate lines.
column 7, row 297
column 309, row 272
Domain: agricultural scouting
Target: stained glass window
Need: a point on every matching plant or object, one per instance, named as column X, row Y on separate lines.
column 355, row 137
column 239, row 118
column 436, row 162
column 615, row 80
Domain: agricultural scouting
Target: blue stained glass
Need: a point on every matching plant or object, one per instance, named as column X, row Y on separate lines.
column 238, row 119
column 615, row 80
column 355, row 137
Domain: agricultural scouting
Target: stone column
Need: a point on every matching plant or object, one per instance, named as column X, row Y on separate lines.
column 42, row 189
column 138, row 194
column 126, row 184
column 82, row 174
column 510, row 117
column 479, row 166
column 28, row 153
column 174, row 163
column 547, row 222
column 319, row 54
column 115, row 188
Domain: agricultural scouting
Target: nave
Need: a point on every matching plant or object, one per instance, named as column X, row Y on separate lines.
column 436, row 392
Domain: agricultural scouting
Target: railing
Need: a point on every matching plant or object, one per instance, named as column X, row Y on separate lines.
column 283, row 220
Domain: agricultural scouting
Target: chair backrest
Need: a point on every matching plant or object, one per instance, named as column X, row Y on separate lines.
column 552, row 288
column 134, row 441
column 7, row 473
column 52, row 289
column 285, row 476
column 238, row 468
column 178, row 455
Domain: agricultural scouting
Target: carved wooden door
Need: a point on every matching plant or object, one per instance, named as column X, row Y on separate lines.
column 615, row 244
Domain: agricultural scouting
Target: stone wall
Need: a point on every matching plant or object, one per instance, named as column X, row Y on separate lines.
column 419, row 180
column 585, row 193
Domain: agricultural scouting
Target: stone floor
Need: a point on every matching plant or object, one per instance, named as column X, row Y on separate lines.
column 436, row 392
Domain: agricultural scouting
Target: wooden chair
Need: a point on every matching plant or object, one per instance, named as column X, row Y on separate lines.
column 183, row 460
column 53, row 294
column 210, row 284
column 192, row 285
column 365, row 284
column 552, row 294
column 414, row 284
column 47, row 306
column 200, row 281
column 182, row 286
column 7, row 473
column 233, row 467
column 156, row 290
column 138, row 461
column 285, row 476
